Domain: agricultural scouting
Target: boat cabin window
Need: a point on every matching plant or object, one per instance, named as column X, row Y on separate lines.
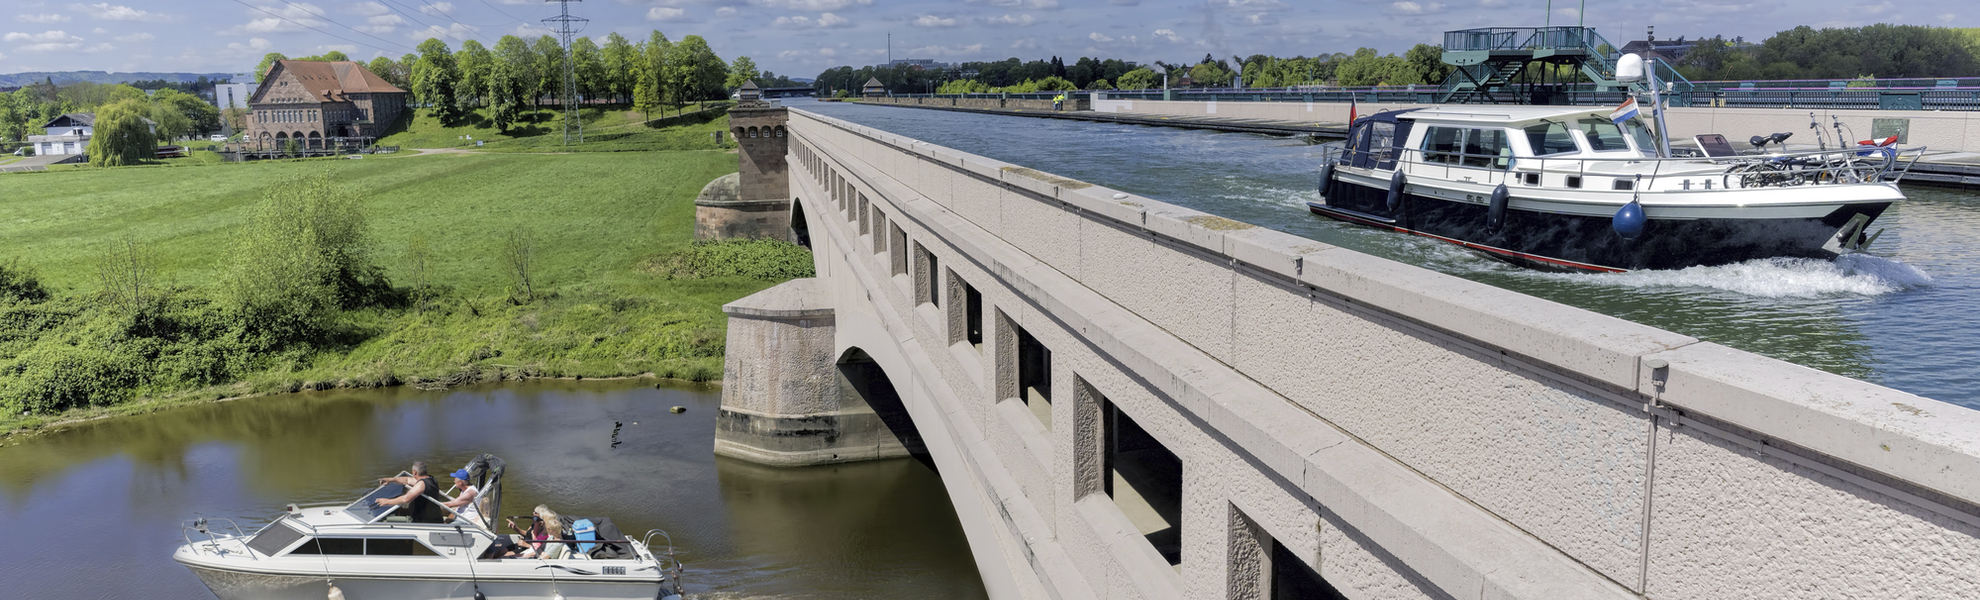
column 1486, row 148
column 1645, row 142
column 1441, row 144
column 1603, row 135
column 1382, row 139
column 393, row 546
column 1549, row 138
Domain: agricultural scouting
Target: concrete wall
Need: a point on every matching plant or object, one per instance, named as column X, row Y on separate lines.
column 1938, row 130
column 1404, row 433
column 1074, row 101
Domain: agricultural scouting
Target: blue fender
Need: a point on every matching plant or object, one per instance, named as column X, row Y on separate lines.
column 1495, row 213
column 1629, row 221
column 1396, row 185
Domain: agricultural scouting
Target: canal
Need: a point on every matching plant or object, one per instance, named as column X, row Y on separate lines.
column 94, row 511
column 1903, row 314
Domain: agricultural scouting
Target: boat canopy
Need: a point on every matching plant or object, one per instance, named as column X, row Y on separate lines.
column 485, row 474
column 1376, row 139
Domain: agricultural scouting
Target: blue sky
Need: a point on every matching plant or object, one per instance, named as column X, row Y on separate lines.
column 803, row 37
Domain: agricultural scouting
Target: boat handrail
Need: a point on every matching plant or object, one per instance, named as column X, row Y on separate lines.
column 200, row 525
column 1843, row 166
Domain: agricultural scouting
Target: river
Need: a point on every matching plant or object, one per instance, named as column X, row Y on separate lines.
column 1902, row 315
column 93, row 511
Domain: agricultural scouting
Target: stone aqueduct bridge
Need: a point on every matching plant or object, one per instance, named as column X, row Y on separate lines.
column 1129, row 399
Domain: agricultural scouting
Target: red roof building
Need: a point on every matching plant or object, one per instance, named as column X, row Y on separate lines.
column 313, row 101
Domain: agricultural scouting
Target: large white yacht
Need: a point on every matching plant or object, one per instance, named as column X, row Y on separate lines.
column 1580, row 188
column 361, row 551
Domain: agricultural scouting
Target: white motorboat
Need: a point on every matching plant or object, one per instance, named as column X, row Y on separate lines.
column 1590, row 189
column 361, row 551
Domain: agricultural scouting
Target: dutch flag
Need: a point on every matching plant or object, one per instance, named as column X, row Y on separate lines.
column 1625, row 112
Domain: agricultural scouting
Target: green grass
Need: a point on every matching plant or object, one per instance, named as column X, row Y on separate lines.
column 600, row 220
column 423, row 130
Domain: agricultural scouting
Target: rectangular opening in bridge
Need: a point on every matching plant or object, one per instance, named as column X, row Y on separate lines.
column 973, row 316
column 1293, row 579
column 927, row 283
column 865, row 211
column 879, row 226
column 1024, row 372
column 1145, row 480
column 897, row 248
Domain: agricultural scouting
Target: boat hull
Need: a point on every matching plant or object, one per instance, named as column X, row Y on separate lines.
column 227, row 584
column 1584, row 242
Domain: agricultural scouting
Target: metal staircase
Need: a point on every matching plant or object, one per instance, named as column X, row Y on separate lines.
column 1489, row 60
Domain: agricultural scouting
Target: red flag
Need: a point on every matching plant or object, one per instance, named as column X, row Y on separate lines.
column 1351, row 109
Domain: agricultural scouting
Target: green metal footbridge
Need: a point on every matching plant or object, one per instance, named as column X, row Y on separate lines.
column 1491, row 60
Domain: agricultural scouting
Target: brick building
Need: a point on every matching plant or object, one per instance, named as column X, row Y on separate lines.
column 319, row 101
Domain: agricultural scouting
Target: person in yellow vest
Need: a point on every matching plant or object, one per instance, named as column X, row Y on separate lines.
column 1059, row 102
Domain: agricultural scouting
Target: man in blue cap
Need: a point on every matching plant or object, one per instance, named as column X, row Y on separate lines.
column 466, row 503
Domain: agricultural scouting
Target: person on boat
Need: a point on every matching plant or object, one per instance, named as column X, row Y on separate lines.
column 468, row 503
column 548, row 526
column 418, row 485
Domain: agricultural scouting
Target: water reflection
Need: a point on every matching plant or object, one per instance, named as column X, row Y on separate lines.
column 1901, row 317
column 122, row 486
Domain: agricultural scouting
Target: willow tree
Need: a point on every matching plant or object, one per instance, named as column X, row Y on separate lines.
column 123, row 136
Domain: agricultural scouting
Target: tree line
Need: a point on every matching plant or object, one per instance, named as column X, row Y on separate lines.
column 1881, row 50
column 518, row 74
column 1420, row 65
column 176, row 114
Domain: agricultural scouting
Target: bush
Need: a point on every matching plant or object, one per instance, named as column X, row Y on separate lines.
column 19, row 281
column 766, row 260
column 56, row 377
column 303, row 254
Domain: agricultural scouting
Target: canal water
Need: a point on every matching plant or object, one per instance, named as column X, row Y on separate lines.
column 1906, row 314
column 93, row 512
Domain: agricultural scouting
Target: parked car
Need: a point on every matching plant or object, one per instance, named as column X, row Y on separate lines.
column 217, row 138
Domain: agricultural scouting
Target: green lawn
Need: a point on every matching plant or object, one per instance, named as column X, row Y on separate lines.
column 599, row 220
column 539, row 127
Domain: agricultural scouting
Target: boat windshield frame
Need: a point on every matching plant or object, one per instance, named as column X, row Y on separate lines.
column 365, row 509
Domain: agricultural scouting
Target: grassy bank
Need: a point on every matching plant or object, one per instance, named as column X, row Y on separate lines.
column 606, row 129
column 603, row 226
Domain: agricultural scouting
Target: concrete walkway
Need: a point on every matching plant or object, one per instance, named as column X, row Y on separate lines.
column 35, row 163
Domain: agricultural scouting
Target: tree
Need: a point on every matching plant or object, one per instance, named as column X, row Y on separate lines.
column 267, row 60
column 588, row 67
column 698, row 72
column 434, row 79
column 199, row 115
column 519, row 255
column 646, row 91
column 476, row 65
column 549, row 68
column 126, row 275
column 620, row 60
column 1138, row 79
column 169, row 122
column 659, row 56
column 335, row 56
column 508, row 80
column 122, row 136
column 742, row 70
column 383, row 68
column 304, row 253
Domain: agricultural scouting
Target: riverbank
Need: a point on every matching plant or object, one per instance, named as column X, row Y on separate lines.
column 450, row 312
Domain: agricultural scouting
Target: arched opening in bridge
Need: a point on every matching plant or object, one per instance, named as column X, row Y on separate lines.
column 800, row 231
column 863, row 384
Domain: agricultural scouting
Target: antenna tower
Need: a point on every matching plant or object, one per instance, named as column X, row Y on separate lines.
column 567, row 28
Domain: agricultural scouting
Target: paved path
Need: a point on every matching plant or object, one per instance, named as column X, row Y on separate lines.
column 35, row 163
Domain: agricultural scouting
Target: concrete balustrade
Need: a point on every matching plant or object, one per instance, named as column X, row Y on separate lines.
column 1398, row 432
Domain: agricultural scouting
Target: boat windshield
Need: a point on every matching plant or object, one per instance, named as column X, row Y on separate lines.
column 1603, row 135
column 1549, row 138
column 367, row 509
column 1646, row 142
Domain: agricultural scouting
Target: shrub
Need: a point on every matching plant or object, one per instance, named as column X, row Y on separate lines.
column 18, row 281
column 302, row 255
column 767, row 260
column 56, row 377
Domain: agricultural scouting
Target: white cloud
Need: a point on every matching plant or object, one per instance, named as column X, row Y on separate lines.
column 528, row 31
column 1947, row 18
column 1023, row 20
column 253, row 45
column 1407, row 7
column 453, row 30
column 933, row 21
column 45, row 42
column 47, row 18
column 108, row 12
column 1253, row 5
column 378, row 24
column 1098, row 37
column 438, row 9
column 947, row 51
column 663, row 13
column 1168, row 35
column 725, row 12
column 812, row 5
column 370, row 9
column 1494, row 3
column 824, row 21
column 1019, row 4
column 1025, row 44
column 1260, row 19
column 277, row 19
column 136, row 37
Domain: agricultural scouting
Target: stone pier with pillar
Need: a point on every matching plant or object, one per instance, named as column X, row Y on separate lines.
column 755, row 202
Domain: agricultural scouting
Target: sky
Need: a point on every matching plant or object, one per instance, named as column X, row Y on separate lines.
column 800, row 38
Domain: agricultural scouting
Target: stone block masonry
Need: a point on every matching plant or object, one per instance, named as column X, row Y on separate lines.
column 1232, row 412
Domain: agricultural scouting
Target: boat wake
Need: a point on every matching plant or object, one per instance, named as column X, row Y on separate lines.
column 1847, row 275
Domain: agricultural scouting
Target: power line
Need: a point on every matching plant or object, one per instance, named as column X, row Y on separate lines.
column 499, row 11
column 332, row 22
column 443, row 31
column 300, row 24
column 451, row 17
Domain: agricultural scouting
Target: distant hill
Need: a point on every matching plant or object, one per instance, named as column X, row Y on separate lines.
column 64, row 77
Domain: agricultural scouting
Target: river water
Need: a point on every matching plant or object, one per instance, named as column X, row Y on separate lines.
column 1906, row 314
column 93, row 511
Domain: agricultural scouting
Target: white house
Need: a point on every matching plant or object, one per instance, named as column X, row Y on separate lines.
column 69, row 134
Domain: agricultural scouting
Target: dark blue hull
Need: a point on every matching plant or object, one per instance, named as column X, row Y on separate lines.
column 1583, row 243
